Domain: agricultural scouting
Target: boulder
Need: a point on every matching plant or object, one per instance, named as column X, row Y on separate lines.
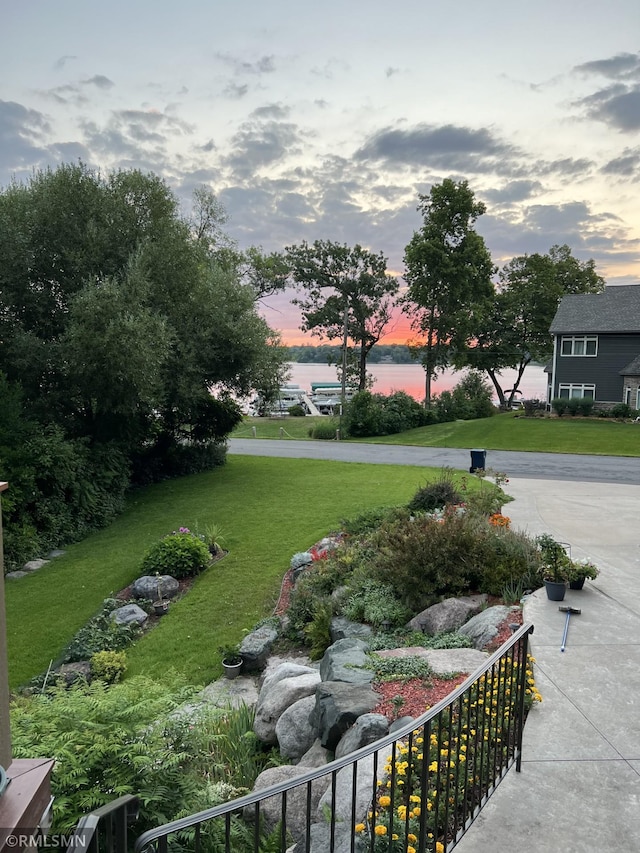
column 256, row 647
column 34, row 565
column 367, row 729
column 343, row 628
column 338, row 706
column 153, row 588
column 70, row 673
column 448, row 615
column 365, row 789
column 130, row 614
column 483, row 628
column 316, row 756
column 346, row 660
column 441, row 661
column 275, row 697
column 321, row 839
column 294, row 730
column 16, row 575
column 296, row 811
column 300, row 560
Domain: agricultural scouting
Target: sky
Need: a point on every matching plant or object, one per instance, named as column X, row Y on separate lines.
column 328, row 120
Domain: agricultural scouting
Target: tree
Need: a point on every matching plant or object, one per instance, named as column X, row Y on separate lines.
column 117, row 318
column 514, row 329
column 448, row 272
column 347, row 295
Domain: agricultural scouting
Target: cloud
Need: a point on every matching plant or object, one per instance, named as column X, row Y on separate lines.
column 627, row 165
column 448, row 147
column 618, row 67
column 263, row 65
column 389, row 72
column 274, row 111
column 512, row 192
column 235, row 91
column 99, row 81
column 617, row 106
column 59, row 64
column 22, row 133
column 259, row 144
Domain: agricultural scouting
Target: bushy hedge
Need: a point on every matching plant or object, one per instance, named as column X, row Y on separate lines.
column 370, row 414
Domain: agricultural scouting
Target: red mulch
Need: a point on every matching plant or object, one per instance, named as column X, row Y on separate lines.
column 419, row 695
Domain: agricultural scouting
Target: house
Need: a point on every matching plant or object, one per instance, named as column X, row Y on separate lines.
column 596, row 347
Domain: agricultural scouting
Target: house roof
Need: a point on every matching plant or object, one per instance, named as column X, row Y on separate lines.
column 616, row 309
column 632, row 369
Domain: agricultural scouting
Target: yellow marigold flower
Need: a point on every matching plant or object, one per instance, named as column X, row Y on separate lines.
column 411, row 837
column 359, row 827
column 433, row 767
column 439, row 847
column 381, row 830
column 416, row 811
column 385, row 801
column 414, row 798
column 410, row 849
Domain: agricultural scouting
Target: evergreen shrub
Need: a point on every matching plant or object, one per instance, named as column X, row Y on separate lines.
column 182, row 554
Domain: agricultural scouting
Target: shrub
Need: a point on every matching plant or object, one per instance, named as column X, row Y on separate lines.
column 181, row 554
column 560, row 405
column 573, row 405
column 620, row 410
column 369, row 414
column 585, row 406
column 101, row 634
column 532, row 406
column 318, row 631
column 370, row 520
column 325, row 430
column 363, row 415
column 108, row 666
column 376, row 604
column 435, row 495
column 296, row 411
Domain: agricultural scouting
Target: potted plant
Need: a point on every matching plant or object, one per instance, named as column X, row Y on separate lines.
column 231, row 660
column 160, row 605
column 580, row 571
column 555, row 566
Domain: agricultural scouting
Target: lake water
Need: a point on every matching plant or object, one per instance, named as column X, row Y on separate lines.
column 410, row 378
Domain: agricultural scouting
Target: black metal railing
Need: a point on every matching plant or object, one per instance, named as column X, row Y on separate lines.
column 105, row 830
column 419, row 788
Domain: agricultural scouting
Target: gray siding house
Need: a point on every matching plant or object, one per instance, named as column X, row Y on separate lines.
column 596, row 347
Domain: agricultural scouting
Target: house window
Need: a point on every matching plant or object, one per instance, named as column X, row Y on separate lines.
column 579, row 345
column 627, row 396
column 575, row 390
column 638, row 399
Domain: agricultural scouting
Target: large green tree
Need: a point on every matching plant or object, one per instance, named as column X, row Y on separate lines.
column 513, row 330
column 118, row 318
column 448, row 272
column 346, row 295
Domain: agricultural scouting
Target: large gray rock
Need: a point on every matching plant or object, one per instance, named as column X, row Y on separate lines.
column 154, row 588
column 321, row 839
column 234, row 693
column 78, row 671
column 338, row 706
column 34, row 565
column 130, row 614
column 483, row 628
column 367, row 729
column 295, row 731
column 346, row 661
column 441, row 661
column 17, row 575
column 316, row 756
column 276, row 696
column 256, row 647
column 448, row 615
column 296, row 812
column 343, row 628
column 365, row 789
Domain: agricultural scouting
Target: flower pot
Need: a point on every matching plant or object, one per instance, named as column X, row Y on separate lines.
column 160, row 607
column 555, row 590
column 577, row 584
column 231, row 670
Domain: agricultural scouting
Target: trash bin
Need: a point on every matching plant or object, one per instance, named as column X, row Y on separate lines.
column 478, row 460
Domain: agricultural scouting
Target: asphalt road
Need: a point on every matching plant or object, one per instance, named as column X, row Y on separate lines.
column 535, row 466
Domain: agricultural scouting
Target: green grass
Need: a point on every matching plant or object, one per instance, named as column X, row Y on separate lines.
column 595, row 436
column 269, row 509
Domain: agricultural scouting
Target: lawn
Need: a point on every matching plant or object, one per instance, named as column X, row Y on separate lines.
column 596, row 436
column 268, row 508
